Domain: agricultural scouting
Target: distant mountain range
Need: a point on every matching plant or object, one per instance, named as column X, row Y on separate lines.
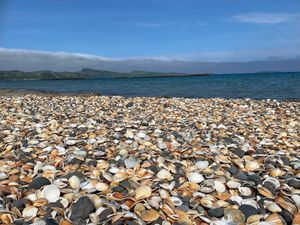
column 83, row 74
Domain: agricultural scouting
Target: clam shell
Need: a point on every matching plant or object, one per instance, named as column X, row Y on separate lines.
column 74, row 182
column 164, row 174
column 29, row 212
column 150, row 215
column 51, row 193
column 195, row 177
column 143, row 192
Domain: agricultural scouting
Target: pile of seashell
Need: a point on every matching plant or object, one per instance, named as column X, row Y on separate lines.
column 111, row 160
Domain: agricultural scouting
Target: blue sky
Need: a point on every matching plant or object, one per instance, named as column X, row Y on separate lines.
column 188, row 30
column 154, row 28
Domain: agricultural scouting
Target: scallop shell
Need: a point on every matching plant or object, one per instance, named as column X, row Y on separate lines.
column 51, row 193
column 143, row 192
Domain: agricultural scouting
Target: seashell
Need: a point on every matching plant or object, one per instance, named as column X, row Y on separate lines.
column 164, row 194
column 287, row 204
column 150, row 215
column 155, row 201
column 207, row 186
column 276, row 172
column 103, row 187
column 245, row 191
column 265, row 192
column 164, row 174
column 233, row 184
column 296, row 220
column 296, row 199
column 252, row 166
column 7, row 218
column 272, row 181
column 176, row 201
column 201, row 165
column 40, row 202
column 220, row 187
column 51, row 193
column 74, row 182
column 275, row 219
column 195, row 177
column 272, row 207
column 29, row 212
column 143, row 192
column 254, row 219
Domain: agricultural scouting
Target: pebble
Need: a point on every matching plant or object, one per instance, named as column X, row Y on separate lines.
column 248, row 210
column 82, row 208
column 38, row 183
column 216, row 212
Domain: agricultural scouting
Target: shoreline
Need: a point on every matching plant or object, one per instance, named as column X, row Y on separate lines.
column 22, row 92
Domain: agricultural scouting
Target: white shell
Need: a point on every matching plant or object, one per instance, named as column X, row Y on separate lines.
column 51, row 193
column 195, row 177
column 164, row 174
column 219, row 186
column 101, row 186
column 202, row 165
column 29, row 212
column 233, row 184
column 176, row 201
column 74, row 182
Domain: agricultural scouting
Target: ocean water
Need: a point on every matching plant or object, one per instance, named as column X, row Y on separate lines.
column 255, row 86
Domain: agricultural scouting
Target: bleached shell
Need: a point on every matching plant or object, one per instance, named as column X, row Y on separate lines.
column 233, row 184
column 219, row 186
column 252, row 166
column 164, row 174
column 51, row 193
column 74, row 182
column 29, row 212
column 245, row 191
column 202, row 165
column 273, row 207
column 296, row 199
column 176, row 201
column 195, row 177
column 101, row 187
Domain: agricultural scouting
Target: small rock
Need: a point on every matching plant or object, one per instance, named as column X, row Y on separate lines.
column 295, row 183
column 255, row 178
column 82, row 208
column 234, row 215
column 39, row 182
column 233, row 170
column 216, row 212
column 239, row 152
column 104, row 214
column 248, row 210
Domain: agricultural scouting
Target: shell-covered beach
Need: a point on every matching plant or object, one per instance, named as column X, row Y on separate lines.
column 114, row 160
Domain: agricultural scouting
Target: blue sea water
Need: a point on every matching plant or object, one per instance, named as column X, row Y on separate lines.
column 255, row 86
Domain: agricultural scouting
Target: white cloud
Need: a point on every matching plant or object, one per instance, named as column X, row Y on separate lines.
column 265, row 18
column 212, row 62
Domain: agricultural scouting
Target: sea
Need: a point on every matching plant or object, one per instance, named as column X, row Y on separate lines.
column 282, row 86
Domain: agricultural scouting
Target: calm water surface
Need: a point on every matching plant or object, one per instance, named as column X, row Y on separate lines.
column 256, row 86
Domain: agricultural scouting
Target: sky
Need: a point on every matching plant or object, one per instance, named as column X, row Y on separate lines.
column 151, row 34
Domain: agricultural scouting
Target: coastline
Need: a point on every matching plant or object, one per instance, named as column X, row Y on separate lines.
column 22, row 92
column 203, row 159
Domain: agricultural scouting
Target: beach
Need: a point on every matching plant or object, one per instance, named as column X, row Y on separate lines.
column 91, row 159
